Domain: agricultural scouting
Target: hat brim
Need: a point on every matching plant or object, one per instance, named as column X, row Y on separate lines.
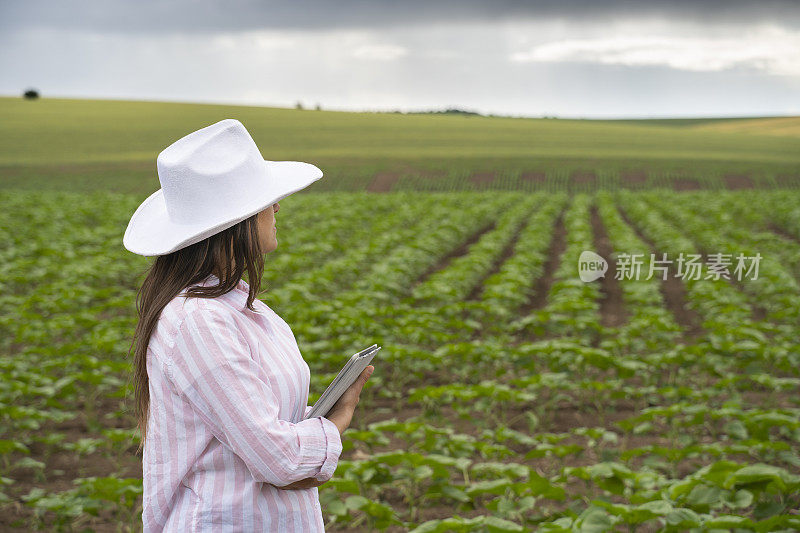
column 150, row 231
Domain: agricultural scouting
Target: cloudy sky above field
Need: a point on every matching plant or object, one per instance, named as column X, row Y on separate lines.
column 586, row 58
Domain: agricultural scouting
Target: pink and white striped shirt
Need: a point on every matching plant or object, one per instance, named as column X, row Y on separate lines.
column 228, row 389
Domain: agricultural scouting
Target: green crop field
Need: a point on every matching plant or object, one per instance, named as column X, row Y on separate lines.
column 112, row 145
column 509, row 395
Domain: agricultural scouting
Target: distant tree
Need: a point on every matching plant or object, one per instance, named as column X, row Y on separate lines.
column 456, row 111
column 31, row 94
column 450, row 111
column 298, row 105
column 318, row 107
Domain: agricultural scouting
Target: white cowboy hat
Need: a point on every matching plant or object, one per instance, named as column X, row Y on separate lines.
column 210, row 180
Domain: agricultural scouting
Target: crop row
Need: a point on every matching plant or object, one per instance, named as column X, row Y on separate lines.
column 572, row 308
column 455, row 282
column 485, row 412
column 651, row 326
column 506, row 291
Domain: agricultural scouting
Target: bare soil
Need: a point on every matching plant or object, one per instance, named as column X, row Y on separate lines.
column 633, row 178
column 783, row 233
column 458, row 252
column 738, row 181
column 673, row 290
column 788, row 181
column 507, row 252
column 558, row 243
column 579, row 179
column 685, row 184
column 674, row 294
column 482, row 179
column 612, row 306
column 533, row 177
column 383, row 181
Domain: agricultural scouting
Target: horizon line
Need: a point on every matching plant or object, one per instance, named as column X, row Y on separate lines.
column 442, row 110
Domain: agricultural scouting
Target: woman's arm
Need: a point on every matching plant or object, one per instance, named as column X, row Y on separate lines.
column 210, row 365
column 340, row 414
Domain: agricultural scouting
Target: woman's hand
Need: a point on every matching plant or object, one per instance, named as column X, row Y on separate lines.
column 342, row 411
column 340, row 414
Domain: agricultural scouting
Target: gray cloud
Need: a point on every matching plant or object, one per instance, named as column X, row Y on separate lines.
column 579, row 58
column 466, row 66
column 205, row 16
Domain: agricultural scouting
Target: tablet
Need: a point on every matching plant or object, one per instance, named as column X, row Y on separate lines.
column 346, row 376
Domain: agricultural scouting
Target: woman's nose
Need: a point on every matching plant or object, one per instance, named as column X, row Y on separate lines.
column 276, row 206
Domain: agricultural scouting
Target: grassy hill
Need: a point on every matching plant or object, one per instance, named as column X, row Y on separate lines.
column 781, row 126
column 107, row 144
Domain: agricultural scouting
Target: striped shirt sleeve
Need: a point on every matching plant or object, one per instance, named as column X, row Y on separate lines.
column 211, row 366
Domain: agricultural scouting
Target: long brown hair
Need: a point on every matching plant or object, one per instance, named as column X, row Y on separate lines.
column 170, row 274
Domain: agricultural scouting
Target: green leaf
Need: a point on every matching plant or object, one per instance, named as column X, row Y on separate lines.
column 336, row 508
column 456, row 493
column 683, row 518
column 760, row 474
column 703, row 496
column 494, row 523
column 740, row 499
column 736, row 429
column 355, row 502
column 496, row 486
column 727, row 522
column 594, row 520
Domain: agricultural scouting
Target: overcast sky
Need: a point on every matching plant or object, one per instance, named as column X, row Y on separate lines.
column 587, row 58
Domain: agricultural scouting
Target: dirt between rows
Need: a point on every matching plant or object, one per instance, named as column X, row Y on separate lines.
column 555, row 251
column 507, row 252
column 782, row 232
column 385, row 180
column 612, row 307
column 533, row 177
column 580, row 177
column 758, row 312
column 788, row 181
column 633, row 177
column 482, row 178
column 738, row 181
column 461, row 250
column 673, row 291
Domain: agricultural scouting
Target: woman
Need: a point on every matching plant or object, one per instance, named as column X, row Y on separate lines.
column 221, row 387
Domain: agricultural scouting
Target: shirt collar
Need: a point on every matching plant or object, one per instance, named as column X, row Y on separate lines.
column 242, row 285
column 238, row 295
